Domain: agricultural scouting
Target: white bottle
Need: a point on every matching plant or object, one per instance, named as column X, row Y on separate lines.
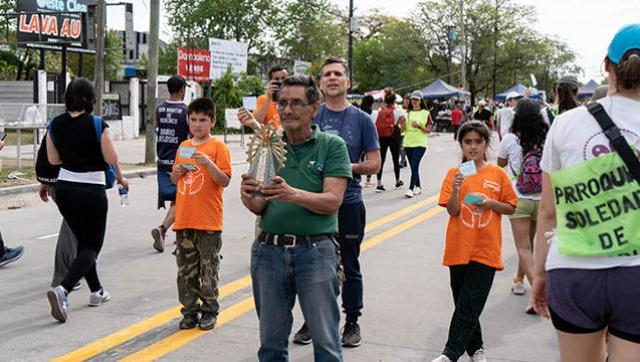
column 124, row 196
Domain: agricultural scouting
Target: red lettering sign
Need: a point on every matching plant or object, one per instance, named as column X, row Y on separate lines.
column 194, row 64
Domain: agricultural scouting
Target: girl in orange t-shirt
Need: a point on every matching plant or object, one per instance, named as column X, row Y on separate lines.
column 474, row 238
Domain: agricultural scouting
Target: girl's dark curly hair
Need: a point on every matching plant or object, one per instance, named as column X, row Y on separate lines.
column 531, row 130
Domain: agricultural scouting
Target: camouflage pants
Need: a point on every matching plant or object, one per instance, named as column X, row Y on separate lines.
column 198, row 258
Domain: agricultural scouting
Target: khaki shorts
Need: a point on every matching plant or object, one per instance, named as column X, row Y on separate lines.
column 527, row 209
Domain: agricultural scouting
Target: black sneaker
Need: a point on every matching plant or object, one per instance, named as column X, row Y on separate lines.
column 10, row 255
column 302, row 336
column 399, row 183
column 351, row 335
column 380, row 188
column 189, row 321
column 207, row 321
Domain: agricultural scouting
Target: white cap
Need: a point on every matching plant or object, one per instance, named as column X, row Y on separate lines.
column 513, row 95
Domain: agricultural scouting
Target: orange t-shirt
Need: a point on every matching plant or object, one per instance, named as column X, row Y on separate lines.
column 474, row 236
column 271, row 117
column 199, row 198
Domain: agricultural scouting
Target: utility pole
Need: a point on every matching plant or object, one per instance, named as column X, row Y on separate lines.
column 152, row 74
column 463, row 64
column 98, row 76
column 350, row 41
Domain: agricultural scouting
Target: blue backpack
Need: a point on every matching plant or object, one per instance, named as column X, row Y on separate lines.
column 110, row 171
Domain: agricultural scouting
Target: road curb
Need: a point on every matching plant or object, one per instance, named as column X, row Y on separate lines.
column 141, row 173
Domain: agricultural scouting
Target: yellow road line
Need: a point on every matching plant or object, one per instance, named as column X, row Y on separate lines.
column 157, row 320
column 142, row 327
column 182, row 338
column 400, row 213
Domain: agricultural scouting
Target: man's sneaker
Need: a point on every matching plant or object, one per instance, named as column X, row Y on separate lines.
column 368, row 183
column 77, row 286
column 99, row 297
column 207, row 321
column 441, row 358
column 189, row 321
column 10, row 255
column 351, row 335
column 417, row 191
column 530, row 310
column 302, row 336
column 158, row 238
column 59, row 303
column 479, row 356
column 380, row 188
column 518, row 288
column 409, row 194
column 399, row 183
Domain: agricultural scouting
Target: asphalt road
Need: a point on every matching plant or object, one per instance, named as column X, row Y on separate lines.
column 408, row 302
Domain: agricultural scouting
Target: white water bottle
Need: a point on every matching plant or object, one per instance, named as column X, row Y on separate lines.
column 124, row 196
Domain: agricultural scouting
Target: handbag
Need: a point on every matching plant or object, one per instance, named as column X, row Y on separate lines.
column 617, row 140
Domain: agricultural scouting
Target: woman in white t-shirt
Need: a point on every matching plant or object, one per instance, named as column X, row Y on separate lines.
column 525, row 139
column 587, row 276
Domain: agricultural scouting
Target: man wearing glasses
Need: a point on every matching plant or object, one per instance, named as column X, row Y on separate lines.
column 296, row 253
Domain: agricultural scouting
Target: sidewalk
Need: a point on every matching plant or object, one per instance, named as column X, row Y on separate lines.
column 131, row 157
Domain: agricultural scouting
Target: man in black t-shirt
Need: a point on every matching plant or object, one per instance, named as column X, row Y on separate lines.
column 172, row 129
column 484, row 115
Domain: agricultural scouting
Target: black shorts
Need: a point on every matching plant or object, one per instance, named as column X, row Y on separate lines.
column 587, row 301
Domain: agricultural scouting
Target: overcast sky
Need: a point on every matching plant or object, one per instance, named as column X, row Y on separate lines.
column 586, row 25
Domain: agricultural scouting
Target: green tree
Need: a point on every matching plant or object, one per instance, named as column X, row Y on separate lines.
column 195, row 21
column 395, row 55
column 502, row 47
column 310, row 31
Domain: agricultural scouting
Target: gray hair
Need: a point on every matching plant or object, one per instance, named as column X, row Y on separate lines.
column 311, row 89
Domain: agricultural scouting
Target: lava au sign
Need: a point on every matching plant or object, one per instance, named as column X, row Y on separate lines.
column 56, row 21
column 194, row 64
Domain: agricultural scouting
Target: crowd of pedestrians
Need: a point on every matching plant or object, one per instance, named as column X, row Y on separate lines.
column 560, row 178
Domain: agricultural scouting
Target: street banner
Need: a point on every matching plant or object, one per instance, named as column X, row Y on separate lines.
column 194, row 64
column 597, row 208
column 225, row 53
column 301, row 68
column 49, row 24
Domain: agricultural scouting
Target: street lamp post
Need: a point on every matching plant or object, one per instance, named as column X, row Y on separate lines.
column 350, row 55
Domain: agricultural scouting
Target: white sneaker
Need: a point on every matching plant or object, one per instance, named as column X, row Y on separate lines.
column 518, row 288
column 441, row 358
column 417, row 191
column 409, row 194
column 97, row 298
column 479, row 356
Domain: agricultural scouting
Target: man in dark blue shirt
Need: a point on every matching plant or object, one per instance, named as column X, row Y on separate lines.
column 172, row 129
column 340, row 118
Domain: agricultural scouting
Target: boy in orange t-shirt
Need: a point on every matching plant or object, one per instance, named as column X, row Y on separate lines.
column 201, row 171
column 474, row 239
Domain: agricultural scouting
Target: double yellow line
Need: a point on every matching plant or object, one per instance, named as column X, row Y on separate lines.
column 183, row 337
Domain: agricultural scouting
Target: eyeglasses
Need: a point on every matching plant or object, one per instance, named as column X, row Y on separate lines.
column 295, row 104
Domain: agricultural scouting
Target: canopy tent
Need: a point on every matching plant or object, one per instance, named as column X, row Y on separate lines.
column 588, row 89
column 440, row 89
column 520, row 89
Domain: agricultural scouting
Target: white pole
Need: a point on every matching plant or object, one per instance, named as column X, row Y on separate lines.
column 134, row 104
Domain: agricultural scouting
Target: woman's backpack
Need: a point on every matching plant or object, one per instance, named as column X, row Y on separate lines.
column 530, row 176
column 385, row 122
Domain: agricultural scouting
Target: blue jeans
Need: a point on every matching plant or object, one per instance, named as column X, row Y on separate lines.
column 414, row 154
column 308, row 270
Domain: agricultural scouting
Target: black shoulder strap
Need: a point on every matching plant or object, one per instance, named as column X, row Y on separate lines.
column 617, row 140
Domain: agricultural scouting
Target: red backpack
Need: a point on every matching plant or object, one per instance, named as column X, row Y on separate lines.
column 385, row 122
